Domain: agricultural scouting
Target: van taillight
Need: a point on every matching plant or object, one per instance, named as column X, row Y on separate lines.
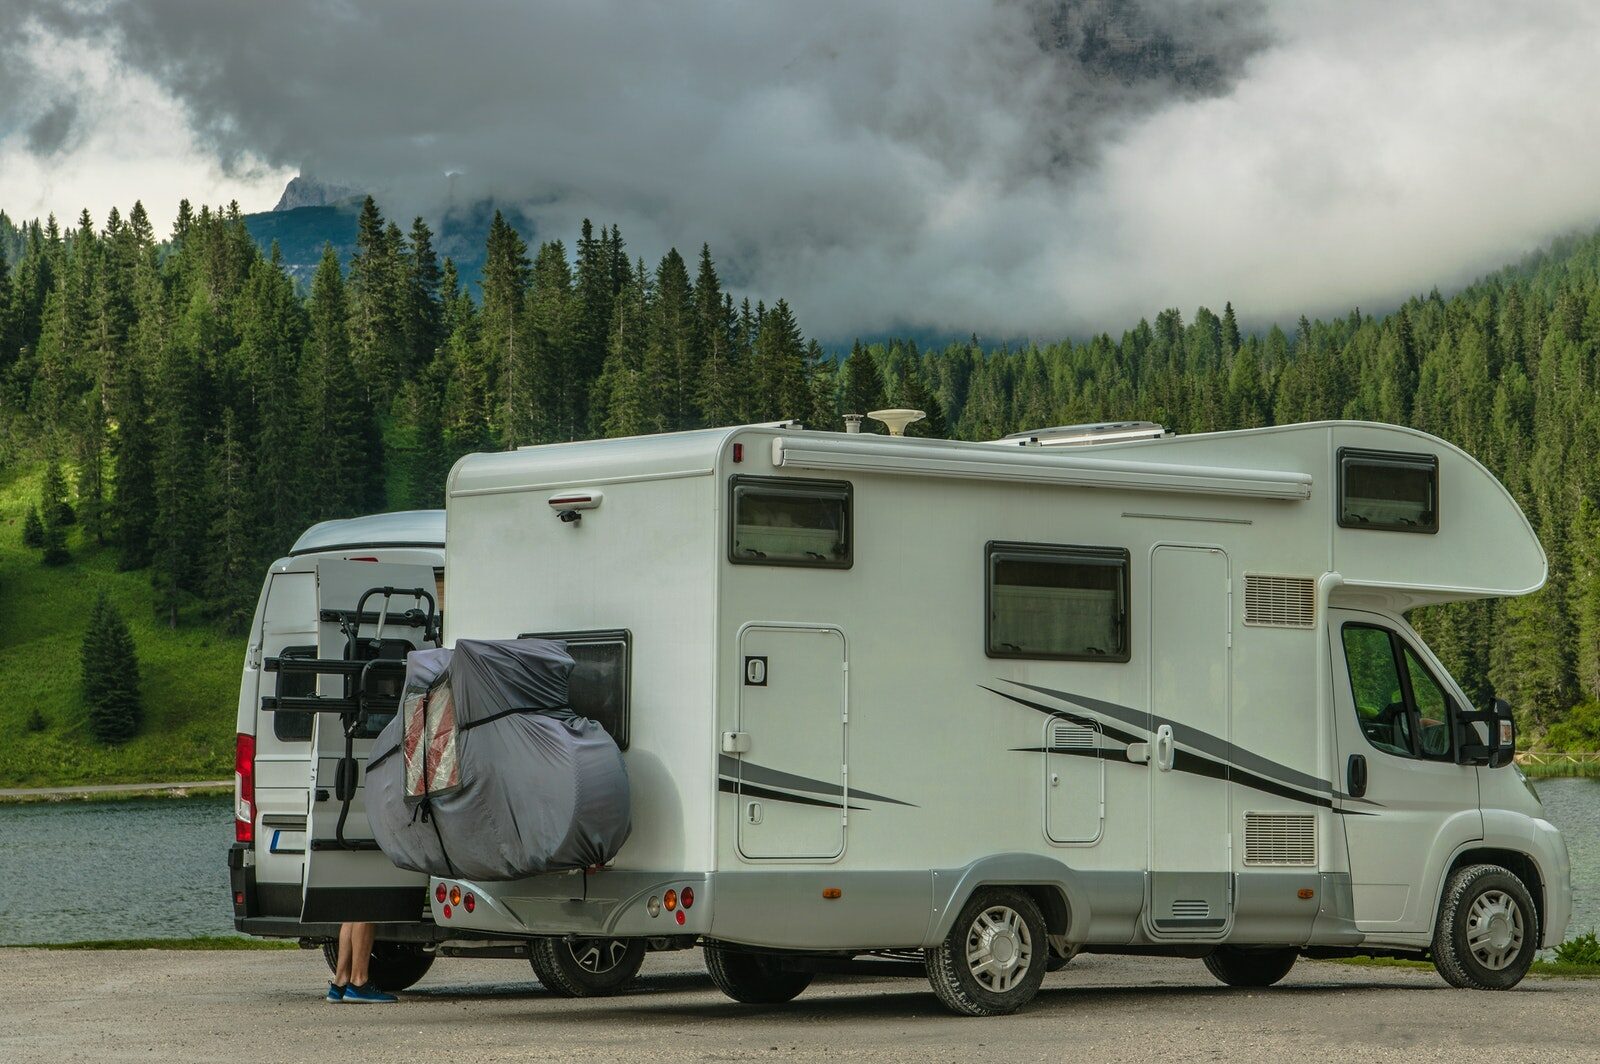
column 244, row 788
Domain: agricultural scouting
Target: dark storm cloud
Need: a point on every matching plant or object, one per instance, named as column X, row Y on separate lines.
column 48, row 133
column 1018, row 165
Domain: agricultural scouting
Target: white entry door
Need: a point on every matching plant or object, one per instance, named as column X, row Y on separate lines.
column 1190, row 860
column 792, row 692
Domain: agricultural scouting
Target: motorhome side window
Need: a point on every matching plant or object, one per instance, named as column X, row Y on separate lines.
column 1388, row 490
column 785, row 521
column 601, row 676
column 295, row 727
column 1402, row 709
column 1060, row 602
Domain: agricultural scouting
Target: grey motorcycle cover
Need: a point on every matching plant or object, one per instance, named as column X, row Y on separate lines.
column 486, row 773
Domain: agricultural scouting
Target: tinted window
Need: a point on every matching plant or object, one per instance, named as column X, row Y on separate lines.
column 1389, row 491
column 1403, row 710
column 295, row 727
column 1057, row 602
column 778, row 521
column 601, row 677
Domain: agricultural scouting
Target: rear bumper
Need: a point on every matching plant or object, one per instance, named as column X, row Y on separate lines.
column 272, row 910
column 609, row 903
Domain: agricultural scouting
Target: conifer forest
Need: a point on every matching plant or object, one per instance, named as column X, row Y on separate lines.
column 203, row 409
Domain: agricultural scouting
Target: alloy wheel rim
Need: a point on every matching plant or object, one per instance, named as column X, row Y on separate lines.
column 597, row 955
column 1495, row 929
column 999, row 948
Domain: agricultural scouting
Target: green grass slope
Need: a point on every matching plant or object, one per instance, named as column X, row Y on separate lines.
column 190, row 676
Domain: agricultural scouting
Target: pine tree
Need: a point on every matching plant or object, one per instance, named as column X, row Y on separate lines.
column 133, row 495
column 502, row 332
column 235, row 559
column 111, row 675
column 53, row 505
column 862, row 388
column 781, row 391
column 33, row 529
column 181, row 520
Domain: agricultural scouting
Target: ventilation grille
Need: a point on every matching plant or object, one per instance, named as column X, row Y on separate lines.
column 1280, row 839
column 1280, row 601
column 1191, row 909
column 1069, row 735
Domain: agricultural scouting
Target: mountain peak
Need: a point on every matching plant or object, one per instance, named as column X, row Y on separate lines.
column 305, row 191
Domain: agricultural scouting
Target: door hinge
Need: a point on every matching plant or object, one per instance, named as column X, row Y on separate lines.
column 255, row 655
column 1230, row 616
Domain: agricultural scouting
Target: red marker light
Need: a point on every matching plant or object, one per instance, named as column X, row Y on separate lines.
column 447, row 912
column 469, row 903
column 738, row 452
column 438, row 894
column 680, row 916
column 687, row 897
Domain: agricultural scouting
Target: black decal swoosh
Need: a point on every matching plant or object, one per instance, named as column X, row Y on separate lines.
column 771, row 777
column 732, row 786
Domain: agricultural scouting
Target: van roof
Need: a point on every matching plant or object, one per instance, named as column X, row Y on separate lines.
column 404, row 528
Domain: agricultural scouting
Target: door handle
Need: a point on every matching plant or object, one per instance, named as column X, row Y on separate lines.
column 1164, row 748
column 1355, row 784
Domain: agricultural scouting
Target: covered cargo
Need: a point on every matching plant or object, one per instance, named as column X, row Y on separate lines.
column 487, row 773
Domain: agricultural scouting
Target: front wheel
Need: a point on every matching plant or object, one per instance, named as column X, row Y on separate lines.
column 1241, row 966
column 753, row 978
column 993, row 959
column 392, row 966
column 586, row 967
column 1488, row 929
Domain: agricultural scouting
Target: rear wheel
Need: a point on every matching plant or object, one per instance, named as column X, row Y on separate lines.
column 994, row 957
column 586, row 967
column 1488, row 929
column 392, row 966
column 753, row 978
column 1243, row 966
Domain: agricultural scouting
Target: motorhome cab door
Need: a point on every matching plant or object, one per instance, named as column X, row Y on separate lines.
column 1191, row 875
column 347, row 876
column 1397, row 758
column 791, row 742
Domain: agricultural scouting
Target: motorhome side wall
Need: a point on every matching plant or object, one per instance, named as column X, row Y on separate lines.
column 959, row 766
column 642, row 560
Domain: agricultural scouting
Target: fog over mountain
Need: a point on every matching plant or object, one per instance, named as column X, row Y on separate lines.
column 1010, row 167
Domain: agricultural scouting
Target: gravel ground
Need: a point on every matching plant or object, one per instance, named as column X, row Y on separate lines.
column 250, row 1006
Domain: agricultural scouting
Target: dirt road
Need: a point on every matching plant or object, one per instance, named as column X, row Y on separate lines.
column 250, row 1006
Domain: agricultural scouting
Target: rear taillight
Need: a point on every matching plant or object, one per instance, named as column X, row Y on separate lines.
column 244, row 788
column 439, row 893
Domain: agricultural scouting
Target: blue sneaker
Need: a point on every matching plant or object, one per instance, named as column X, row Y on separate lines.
column 367, row 994
column 335, row 992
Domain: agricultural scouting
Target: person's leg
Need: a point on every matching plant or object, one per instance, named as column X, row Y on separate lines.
column 341, row 971
column 361, row 939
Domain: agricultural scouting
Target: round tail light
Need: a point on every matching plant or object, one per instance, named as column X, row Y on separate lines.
column 447, row 912
column 455, row 895
column 670, row 900
column 687, row 897
column 680, row 916
column 438, row 894
column 469, row 903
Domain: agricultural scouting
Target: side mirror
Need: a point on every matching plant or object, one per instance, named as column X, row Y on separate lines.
column 1501, row 728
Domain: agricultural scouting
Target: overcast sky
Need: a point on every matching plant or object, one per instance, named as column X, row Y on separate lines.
column 1012, row 168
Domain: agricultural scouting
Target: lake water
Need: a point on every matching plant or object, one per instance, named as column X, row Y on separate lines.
column 77, row 871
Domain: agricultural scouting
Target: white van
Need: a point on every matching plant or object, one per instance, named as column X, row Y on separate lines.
column 889, row 700
column 349, row 591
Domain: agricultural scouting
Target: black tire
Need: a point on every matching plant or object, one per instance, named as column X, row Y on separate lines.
column 753, row 978
column 1488, row 929
column 1250, row 966
column 1059, row 958
column 586, row 967
column 393, row 965
column 1002, row 930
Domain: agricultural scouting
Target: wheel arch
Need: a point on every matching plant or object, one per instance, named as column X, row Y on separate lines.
column 1517, row 862
column 1052, row 885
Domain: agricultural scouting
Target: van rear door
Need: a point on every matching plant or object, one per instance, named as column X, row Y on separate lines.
column 365, row 610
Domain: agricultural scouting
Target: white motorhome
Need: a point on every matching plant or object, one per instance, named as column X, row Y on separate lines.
column 309, row 703
column 887, row 700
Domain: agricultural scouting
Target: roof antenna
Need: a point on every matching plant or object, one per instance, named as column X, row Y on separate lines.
column 897, row 418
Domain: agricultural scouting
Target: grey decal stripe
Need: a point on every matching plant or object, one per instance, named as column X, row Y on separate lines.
column 771, row 777
column 1115, row 734
column 1192, row 737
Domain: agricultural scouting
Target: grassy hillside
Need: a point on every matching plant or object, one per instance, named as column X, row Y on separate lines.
column 190, row 677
